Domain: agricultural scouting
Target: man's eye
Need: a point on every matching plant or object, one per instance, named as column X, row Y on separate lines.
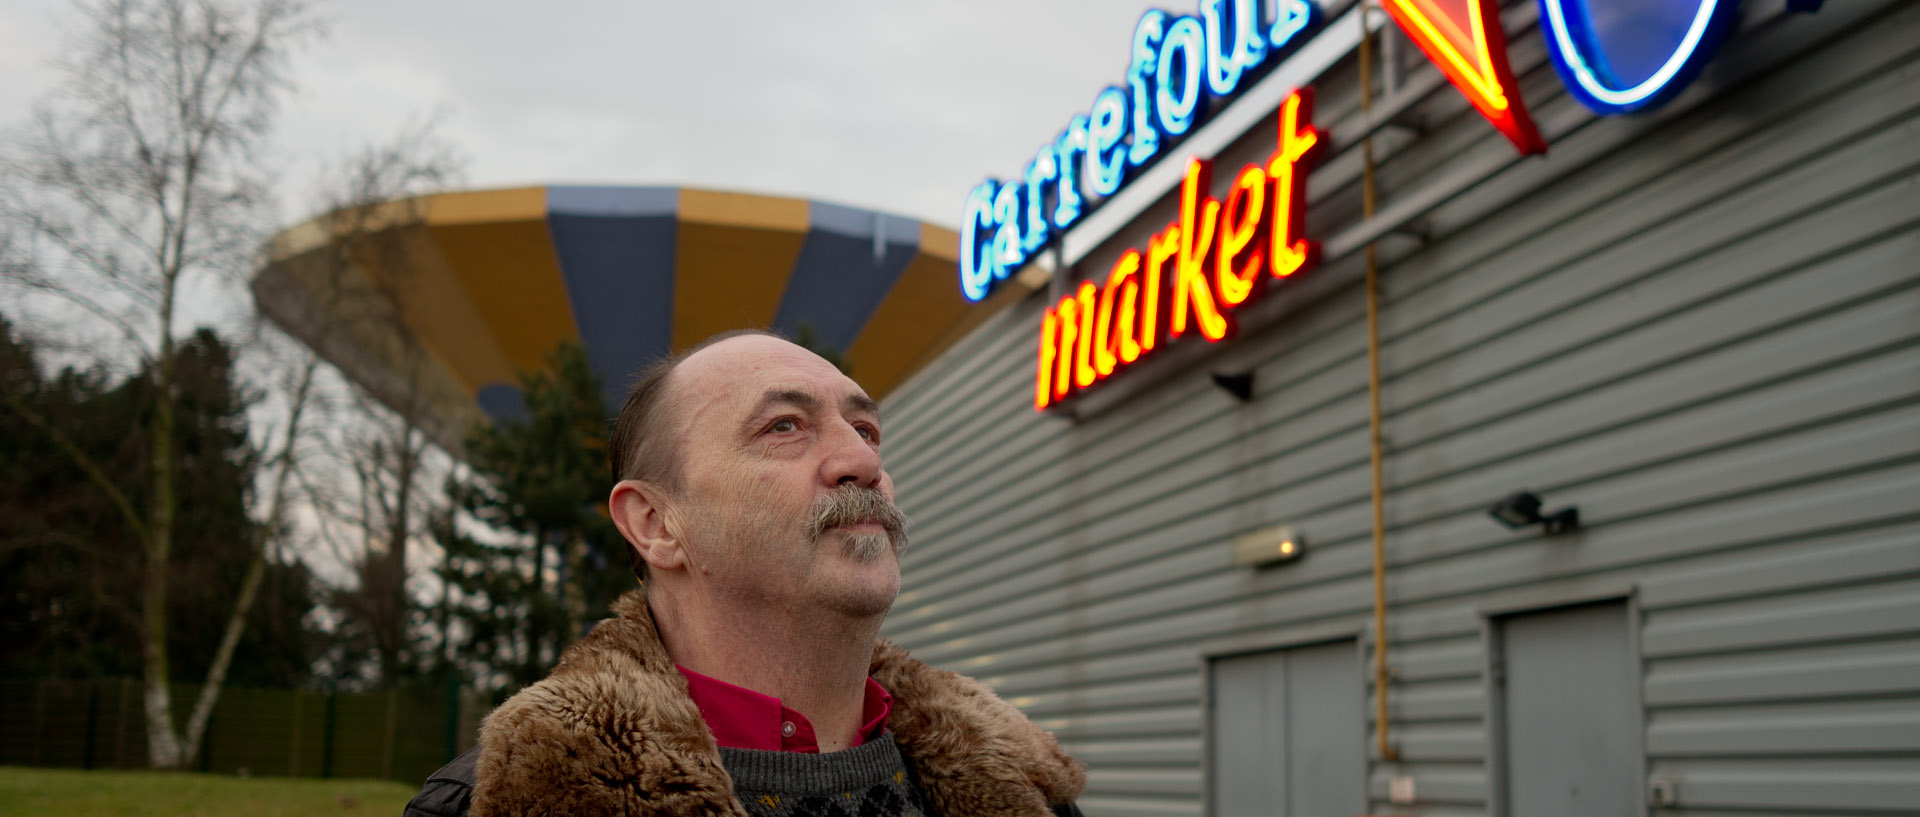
column 869, row 433
column 784, row 425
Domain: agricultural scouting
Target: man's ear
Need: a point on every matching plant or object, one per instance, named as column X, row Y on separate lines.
column 639, row 512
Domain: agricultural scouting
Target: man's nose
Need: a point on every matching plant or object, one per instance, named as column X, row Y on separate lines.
column 851, row 460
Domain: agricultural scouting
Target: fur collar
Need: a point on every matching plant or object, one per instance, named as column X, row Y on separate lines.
column 612, row 732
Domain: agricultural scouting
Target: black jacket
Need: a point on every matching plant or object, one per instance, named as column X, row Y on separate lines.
column 449, row 791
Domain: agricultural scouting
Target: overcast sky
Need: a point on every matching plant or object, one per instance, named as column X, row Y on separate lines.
column 899, row 106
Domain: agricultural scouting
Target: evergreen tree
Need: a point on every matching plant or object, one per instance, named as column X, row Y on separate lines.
column 543, row 480
column 74, row 570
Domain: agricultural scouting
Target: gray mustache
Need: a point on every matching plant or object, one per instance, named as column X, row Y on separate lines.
column 849, row 504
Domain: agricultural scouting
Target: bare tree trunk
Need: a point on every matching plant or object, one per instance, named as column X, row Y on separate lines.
column 256, row 569
column 223, row 656
column 163, row 745
column 394, row 567
column 164, row 750
column 386, row 575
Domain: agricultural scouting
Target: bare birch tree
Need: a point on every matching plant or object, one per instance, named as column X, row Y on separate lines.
column 345, row 298
column 367, row 204
column 138, row 183
column 388, row 458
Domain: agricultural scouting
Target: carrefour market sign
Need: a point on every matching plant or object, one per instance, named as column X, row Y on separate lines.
column 1176, row 64
column 1192, row 273
column 1634, row 56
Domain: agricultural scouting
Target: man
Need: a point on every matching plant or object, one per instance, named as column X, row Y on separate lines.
column 746, row 676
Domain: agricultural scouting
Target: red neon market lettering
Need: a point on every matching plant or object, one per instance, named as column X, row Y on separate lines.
column 1068, row 338
column 1192, row 291
column 1240, row 227
column 1112, row 336
column 1042, row 377
column 1082, row 360
column 1216, row 254
column 1160, row 249
column 1128, row 317
column 1298, row 140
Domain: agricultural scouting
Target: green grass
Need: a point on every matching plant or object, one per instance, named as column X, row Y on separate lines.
column 70, row 793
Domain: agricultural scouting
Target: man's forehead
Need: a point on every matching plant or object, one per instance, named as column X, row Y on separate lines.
column 803, row 396
column 745, row 372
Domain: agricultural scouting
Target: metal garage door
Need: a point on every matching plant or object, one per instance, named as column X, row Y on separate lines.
column 1571, row 713
column 1288, row 733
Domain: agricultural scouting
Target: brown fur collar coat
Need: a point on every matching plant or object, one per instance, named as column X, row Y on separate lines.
column 613, row 732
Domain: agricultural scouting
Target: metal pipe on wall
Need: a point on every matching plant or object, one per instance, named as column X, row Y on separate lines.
column 1380, row 673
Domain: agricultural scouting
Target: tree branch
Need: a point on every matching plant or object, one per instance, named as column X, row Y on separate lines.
column 41, row 284
column 80, row 458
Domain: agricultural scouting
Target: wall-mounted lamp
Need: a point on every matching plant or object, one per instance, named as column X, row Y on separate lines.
column 1268, row 546
column 1239, row 385
column 1523, row 509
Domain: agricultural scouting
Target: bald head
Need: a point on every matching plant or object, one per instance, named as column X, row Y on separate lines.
column 641, row 447
column 724, row 359
column 738, row 373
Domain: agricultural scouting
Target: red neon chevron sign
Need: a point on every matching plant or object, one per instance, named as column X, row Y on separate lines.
column 1464, row 38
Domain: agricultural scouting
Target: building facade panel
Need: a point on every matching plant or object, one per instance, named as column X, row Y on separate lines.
column 1699, row 325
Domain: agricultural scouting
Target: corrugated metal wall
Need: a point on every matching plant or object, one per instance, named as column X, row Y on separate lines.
column 1701, row 325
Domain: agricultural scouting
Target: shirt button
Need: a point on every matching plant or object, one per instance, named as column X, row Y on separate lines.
column 787, row 729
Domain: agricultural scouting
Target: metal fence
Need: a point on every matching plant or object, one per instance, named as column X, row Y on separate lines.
column 399, row 734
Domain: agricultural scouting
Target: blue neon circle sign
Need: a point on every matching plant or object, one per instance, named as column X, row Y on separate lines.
column 1618, row 56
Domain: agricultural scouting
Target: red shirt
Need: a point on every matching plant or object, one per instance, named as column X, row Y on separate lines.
column 741, row 718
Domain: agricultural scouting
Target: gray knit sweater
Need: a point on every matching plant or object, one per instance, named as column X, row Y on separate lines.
column 869, row 780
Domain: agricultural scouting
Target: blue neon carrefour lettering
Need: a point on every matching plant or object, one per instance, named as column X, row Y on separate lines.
column 1007, row 250
column 1293, row 19
column 1234, row 42
column 1106, row 148
column 1578, row 45
column 976, row 265
column 1177, row 78
column 1178, row 69
column 1071, row 145
column 1147, row 37
column 1041, row 170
